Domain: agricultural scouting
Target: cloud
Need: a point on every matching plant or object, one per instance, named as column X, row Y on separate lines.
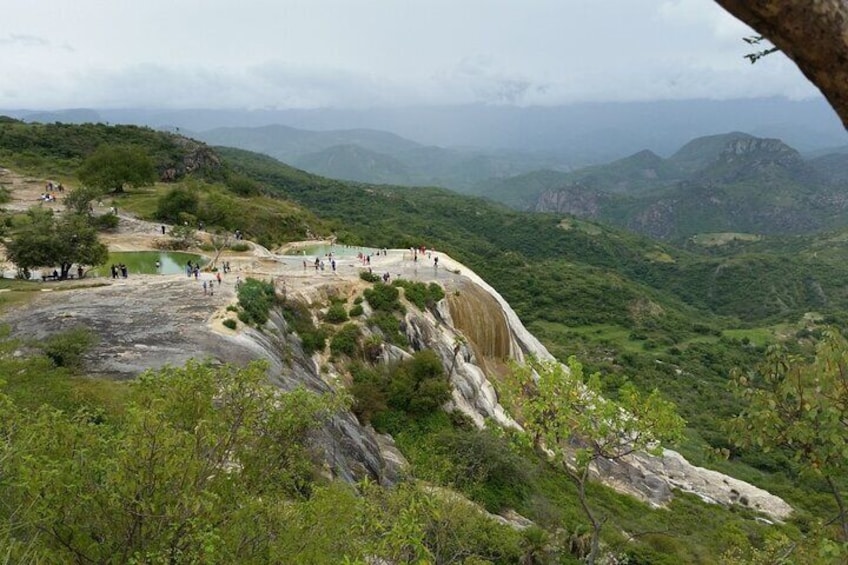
column 23, row 40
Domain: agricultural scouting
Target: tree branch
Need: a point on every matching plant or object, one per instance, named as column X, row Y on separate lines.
column 812, row 33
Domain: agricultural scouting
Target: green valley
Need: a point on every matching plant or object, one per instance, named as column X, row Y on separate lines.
column 677, row 314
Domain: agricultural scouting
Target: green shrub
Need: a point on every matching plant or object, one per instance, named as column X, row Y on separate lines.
column 356, row 310
column 383, row 298
column 372, row 348
column 345, row 341
column 484, row 466
column 336, row 313
column 229, row 323
column 369, row 277
column 313, row 340
column 420, row 294
column 239, row 247
column 369, row 397
column 67, row 348
column 389, row 326
column 298, row 317
column 176, row 203
column 256, row 299
column 419, row 385
column 105, row 221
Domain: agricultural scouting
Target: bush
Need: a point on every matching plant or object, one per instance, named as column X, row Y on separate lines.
column 313, row 340
column 298, row 317
column 175, row 203
column 369, row 277
column 256, row 299
column 419, row 385
column 369, row 397
column 389, row 326
column 67, row 348
column 239, row 247
column 484, row 466
column 372, row 348
column 336, row 313
column 356, row 310
column 420, row 294
column 105, row 221
column 384, row 298
column 345, row 341
column 230, row 323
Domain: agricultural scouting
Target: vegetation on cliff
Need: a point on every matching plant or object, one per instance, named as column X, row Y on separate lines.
column 647, row 313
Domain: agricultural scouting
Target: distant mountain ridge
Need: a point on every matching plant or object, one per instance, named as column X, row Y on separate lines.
column 730, row 182
column 377, row 156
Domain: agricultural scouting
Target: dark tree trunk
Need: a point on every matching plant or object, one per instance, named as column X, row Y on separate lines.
column 813, row 33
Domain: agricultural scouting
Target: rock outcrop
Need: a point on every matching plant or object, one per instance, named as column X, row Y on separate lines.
column 150, row 321
column 476, row 336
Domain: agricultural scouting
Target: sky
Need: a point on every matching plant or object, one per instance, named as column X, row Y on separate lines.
column 279, row 54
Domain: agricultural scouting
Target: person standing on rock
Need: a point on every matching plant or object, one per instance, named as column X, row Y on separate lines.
column 218, row 276
column 204, row 288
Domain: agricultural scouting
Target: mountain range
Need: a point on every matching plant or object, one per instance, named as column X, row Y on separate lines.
column 732, row 182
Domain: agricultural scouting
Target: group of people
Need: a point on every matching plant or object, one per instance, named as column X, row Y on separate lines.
column 119, row 269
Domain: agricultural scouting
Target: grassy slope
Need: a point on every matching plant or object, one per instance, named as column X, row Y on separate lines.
column 622, row 302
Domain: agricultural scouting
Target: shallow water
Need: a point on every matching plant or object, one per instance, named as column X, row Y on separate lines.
column 144, row 262
column 323, row 250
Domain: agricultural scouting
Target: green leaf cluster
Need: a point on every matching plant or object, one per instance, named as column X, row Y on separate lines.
column 421, row 294
column 42, row 240
column 256, row 298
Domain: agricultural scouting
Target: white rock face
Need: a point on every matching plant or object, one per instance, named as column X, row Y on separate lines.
column 649, row 478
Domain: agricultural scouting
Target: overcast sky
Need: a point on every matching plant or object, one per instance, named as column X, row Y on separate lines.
column 360, row 53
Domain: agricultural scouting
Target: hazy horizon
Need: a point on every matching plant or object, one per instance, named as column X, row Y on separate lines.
column 378, row 53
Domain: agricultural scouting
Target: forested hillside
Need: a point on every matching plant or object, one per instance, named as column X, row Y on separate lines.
column 675, row 318
column 724, row 183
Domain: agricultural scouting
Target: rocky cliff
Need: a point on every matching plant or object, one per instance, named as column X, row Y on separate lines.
column 150, row 321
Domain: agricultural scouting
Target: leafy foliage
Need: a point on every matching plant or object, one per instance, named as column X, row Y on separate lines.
column 558, row 408
column 383, row 298
column 801, row 407
column 178, row 476
column 421, row 294
column 66, row 349
column 415, row 387
column 345, row 341
column 256, row 298
column 44, row 241
column 336, row 313
column 313, row 339
column 114, row 167
column 175, row 202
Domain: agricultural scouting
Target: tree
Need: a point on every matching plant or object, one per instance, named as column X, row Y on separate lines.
column 78, row 200
column 572, row 420
column 813, row 33
column 177, row 201
column 181, row 475
column 46, row 242
column 114, row 167
column 801, row 406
